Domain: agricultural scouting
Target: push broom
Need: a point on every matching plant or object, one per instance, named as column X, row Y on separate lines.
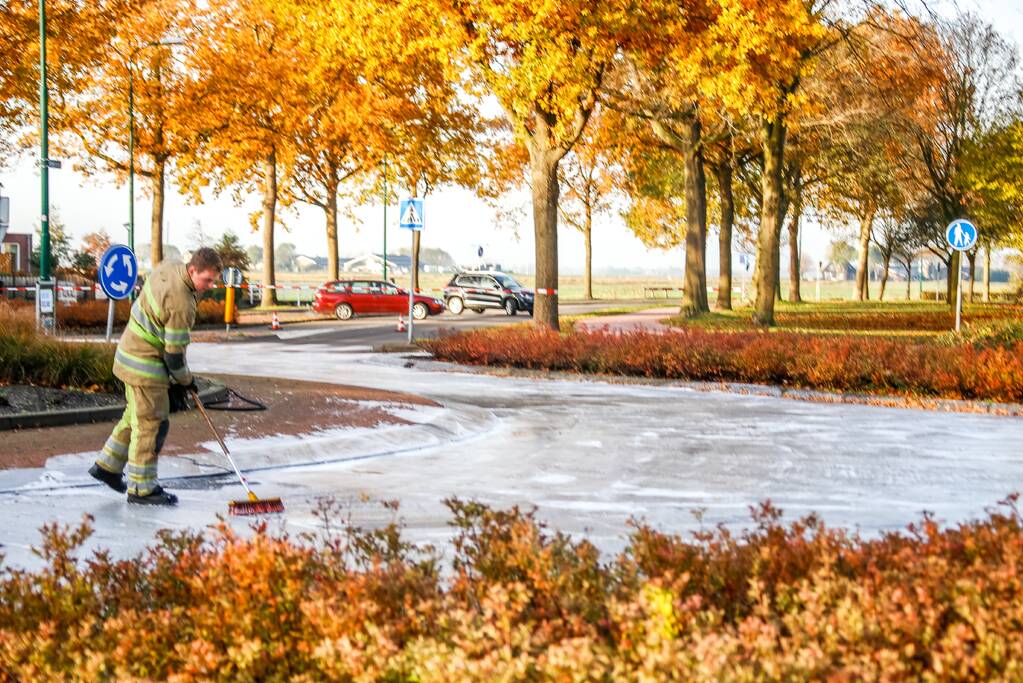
column 254, row 505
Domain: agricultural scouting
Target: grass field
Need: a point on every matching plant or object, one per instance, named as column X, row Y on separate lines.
column 627, row 288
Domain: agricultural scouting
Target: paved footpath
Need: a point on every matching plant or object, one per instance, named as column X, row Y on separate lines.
column 648, row 320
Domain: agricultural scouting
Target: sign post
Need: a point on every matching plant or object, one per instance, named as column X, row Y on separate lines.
column 411, row 213
column 232, row 278
column 962, row 236
column 118, row 273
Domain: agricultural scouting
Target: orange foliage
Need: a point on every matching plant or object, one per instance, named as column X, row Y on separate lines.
column 856, row 364
column 777, row 601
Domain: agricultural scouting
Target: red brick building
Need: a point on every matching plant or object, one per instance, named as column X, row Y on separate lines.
column 20, row 245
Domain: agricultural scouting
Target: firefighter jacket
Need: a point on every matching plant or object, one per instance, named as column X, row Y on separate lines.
column 152, row 349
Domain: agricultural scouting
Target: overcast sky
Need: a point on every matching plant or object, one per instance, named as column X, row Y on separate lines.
column 455, row 220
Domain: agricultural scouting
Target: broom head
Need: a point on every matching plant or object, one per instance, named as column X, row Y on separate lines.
column 257, row 506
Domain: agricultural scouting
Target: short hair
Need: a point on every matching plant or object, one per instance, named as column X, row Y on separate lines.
column 205, row 258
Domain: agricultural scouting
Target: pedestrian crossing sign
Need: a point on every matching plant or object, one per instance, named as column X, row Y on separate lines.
column 411, row 213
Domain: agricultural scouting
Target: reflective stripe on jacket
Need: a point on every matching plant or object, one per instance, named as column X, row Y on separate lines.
column 160, row 324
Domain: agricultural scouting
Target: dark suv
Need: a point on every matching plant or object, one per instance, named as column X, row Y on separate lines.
column 481, row 290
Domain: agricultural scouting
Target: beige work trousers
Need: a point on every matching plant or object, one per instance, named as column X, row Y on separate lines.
column 138, row 437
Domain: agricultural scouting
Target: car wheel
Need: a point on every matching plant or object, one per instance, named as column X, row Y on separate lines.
column 478, row 311
column 456, row 305
column 510, row 307
column 344, row 311
column 420, row 311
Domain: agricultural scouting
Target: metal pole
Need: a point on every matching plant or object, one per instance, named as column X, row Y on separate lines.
column 385, row 218
column 959, row 289
column 131, row 156
column 110, row 319
column 411, row 284
column 44, row 150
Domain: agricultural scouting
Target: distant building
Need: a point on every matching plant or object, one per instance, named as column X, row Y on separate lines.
column 19, row 246
column 307, row 263
column 374, row 263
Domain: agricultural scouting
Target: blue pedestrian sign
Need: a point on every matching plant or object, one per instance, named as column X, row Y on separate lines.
column 961, row 234
column 118, row 272
column 411, row 212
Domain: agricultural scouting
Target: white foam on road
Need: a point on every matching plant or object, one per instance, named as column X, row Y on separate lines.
column 589, row 455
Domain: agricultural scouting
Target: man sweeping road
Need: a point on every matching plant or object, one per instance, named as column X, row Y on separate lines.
column 150, row 354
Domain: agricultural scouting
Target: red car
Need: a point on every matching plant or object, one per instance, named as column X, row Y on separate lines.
column 348, row 298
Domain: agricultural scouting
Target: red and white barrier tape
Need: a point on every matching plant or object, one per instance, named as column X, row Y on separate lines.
column 546, row 292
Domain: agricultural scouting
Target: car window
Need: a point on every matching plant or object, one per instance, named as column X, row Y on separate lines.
column 508, row 282
column 363, row 287
column 389, row 289
column 466, row 281
column 337, row 286
column 490, row 283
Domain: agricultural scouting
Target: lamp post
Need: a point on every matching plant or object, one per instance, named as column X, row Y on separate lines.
column 385, row 217
column 131, row 130
column 44, row 286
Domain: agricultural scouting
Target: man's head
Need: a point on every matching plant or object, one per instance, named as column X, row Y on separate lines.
column 204, row 268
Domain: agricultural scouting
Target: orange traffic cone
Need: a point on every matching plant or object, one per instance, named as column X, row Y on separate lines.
column 275, row 324
column 400, row 327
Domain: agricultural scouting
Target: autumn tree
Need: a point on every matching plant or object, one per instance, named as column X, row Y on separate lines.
column 95, row 119
column 591, row 178
column 96, row 243
column 544, row 63
column 248, row 68
column 771, row 46
column 977, row 89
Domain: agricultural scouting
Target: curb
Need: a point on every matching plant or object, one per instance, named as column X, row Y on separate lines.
column 948, row 405
column 397, row 347
column 212, row 392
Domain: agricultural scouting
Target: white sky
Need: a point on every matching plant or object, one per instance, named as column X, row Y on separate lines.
column 455, row 219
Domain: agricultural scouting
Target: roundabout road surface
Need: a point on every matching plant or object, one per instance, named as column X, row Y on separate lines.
column 589, row 455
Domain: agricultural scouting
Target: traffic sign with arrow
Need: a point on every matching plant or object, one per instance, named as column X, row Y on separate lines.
column 118, row 272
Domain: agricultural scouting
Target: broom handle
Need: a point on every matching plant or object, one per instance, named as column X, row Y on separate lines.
column 223, row 446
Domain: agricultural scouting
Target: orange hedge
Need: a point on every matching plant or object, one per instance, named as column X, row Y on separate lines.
column 93, row 314
column 776, row 602
column 844, row 363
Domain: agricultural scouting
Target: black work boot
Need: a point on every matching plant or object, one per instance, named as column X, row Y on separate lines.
column 157, row 497
column 114, row 481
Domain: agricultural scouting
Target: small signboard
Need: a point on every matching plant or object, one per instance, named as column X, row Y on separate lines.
column 232, row 277
column 411, row 212
column 961, row 234
column 118, row 272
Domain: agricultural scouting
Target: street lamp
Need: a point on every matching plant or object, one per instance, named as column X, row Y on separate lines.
column 167, row 42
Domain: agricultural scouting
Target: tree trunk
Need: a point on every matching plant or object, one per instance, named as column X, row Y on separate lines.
column 797, row 212
column 886, row 263
column 588, row 266
column 909, row 279
column 694, row 291
column 333, row 268
column 689, row 144
column 545, row 190
column 773, row 143
column 987, row 271
column 971, row 258
column 416, row 235
column 862, row 274
column 269, row 208
column 724, row 172
column 951, row 278
column 156, row 219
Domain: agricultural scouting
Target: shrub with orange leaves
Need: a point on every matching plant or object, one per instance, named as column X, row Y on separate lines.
column 845, row 363
column 776, row 601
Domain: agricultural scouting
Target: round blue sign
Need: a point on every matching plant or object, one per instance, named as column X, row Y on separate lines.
column 961, row 234
column 118, row 271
